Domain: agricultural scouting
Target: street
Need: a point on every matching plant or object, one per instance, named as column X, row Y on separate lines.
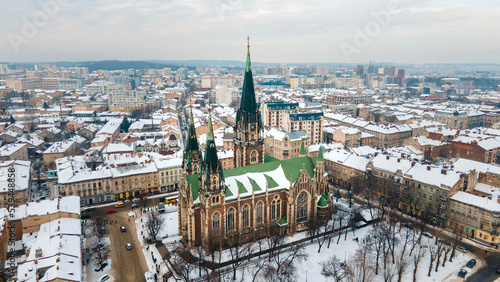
column 488, row 272
column 127, row 265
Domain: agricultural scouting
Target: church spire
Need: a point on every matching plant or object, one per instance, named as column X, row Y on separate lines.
column 248, row 102
column 210, row 158
column 192, row 150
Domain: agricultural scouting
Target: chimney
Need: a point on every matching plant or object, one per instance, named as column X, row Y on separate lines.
column 399, row 160
column 428, row 167
column 443, row 171
column 387, row 157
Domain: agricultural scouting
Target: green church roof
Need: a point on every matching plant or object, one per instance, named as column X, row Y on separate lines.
column 322, row 203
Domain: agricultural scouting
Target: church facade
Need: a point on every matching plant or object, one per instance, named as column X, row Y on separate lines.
column 215, row 204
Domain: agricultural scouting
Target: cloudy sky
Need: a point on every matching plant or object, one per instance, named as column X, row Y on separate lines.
column 404, row 31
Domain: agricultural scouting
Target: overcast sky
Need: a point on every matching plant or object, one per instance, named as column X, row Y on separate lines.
column 417, row 31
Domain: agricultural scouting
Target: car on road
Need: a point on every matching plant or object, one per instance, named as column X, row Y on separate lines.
column 85, row 216
column 471, row 263
column 119, row 205
column 105, row 278
column 133, row 206
column 462, row 249
column 111, row 211
column 498, row 269
column 128, row 246
column 170, row 201
column 123, row 229
column 462, row 273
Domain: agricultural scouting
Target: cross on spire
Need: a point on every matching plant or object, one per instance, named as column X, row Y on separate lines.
column 248, row 41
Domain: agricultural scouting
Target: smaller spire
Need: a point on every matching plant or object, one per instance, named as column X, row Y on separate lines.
column 320, row 154
column 302, row 152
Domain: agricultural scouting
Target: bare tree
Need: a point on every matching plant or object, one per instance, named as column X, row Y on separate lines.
column 180, row 266
column 333, row 267
column 402, row 264
column 360, row 268
column 440, row 244
column 275, row 240
column 389, row 271
column 354, row 186
column 446, row 250
column 456, row 238
column 433, row 252
column 342, row 218
column 154, row 223
column 100, row 252
column 282, row 266
column 239, row 251
column 418, row 255
column 99, row 229
column 379, row 245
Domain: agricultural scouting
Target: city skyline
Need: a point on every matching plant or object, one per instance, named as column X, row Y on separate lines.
column 292, row 32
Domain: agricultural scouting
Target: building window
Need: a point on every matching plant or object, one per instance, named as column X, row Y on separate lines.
column 260, row 207
column 302, row 207
column 230, row 220
column 216, row 223
column 245, row 215
column 253, row 157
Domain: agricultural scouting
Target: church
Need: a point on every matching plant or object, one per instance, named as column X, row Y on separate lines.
column 215, row 204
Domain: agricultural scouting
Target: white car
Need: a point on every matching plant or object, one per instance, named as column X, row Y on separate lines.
column 128, row 246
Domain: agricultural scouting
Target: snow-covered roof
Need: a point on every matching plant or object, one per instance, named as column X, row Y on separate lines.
column 22, row 175
column 481, row 202
column 60, row 147
column 433, row 175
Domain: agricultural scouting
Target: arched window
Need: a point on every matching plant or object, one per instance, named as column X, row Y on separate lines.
column 275, row 210
column 216, row 223
column 230, row 220
column 260, row 207
column 214, row 181
column 253, row 157
column 302, row 207
column 245, row 215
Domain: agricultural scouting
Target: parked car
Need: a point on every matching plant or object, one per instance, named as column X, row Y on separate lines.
column 105, row 278
column 498, row 269
column 462, row 249
column 133, row 206
column 85, row 216
column 471, row 263
column 111, row 211
column 103, row 230
column 128, row 246
column 123, row 229
column 427, row 235
column 462, row 273
column 119, row 205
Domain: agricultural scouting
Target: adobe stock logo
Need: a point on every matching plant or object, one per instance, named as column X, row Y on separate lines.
column 39, row 19
column 364, row 35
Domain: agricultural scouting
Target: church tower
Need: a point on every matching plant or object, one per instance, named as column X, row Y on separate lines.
column 191, row 157
column 211, row 177
column 248, row 141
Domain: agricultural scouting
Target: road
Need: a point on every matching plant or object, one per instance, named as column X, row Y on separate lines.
column 127, row 265
column 487, row 273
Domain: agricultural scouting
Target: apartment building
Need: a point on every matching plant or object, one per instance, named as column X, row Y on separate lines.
column 349, row 97
column 342, row 165
column 461, row 119
column 284, row 145
column 273, row 113
column 58, row 150
column 426, row 190
column 18, row 151
column 311, row 123
column 348, row 136
column 22, row 177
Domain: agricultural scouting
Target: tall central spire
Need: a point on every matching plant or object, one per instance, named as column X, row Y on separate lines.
column 248, row 103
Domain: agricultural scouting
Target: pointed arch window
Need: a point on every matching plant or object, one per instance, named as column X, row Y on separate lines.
column 260, row 208
column 275, row 210
column 216, row 223
column 302, row 207
column 230, row 220
column 246, row 213
column 253, row 157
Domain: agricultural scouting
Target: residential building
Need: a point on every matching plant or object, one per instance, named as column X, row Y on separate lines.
column 17, row 151
column 20, row 193
column 284, row 145
column 311, row 123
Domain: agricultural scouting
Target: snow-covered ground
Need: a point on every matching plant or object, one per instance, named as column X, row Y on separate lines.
column 169, row 233
column 88, row 273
